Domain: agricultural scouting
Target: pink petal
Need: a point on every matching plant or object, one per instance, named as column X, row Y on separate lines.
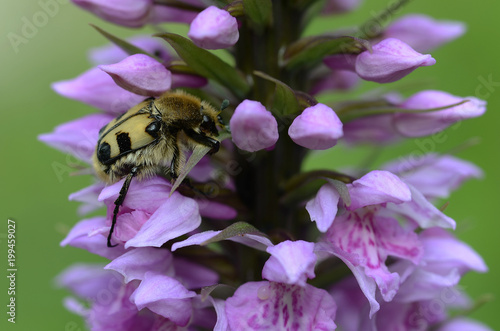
column 194, row 276
column 291, row 262
column 135, row 263
column 435, row 176
column 253, row 127
column 423, row 124
column 420, row 210
column 97, row 89
column 378, row 129
column 130, row 13
column 89, row 197
column 323, row 207
column 377, row 187
column 318, row 127
column 366, row 284
column 430, row 34
column 214, row 28
column 164, row 296
column 78, row 137
column 178, row 215
column 140, row 74
column 390, row 61
column 86, row 235
column 463, row 324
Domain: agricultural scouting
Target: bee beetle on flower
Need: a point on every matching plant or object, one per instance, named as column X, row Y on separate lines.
column 140, row 142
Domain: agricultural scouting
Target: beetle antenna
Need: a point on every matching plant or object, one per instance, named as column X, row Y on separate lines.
column 224, row 104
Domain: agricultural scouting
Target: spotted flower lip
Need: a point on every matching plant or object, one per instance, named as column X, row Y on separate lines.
column 140, row 74
column 97, row 89
column 430, row 34
column 318, row 127
column 214, row 28
column 420, row 124
column 275, row 306
column 253, row 127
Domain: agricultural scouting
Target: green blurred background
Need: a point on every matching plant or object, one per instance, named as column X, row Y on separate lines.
column 36, row 198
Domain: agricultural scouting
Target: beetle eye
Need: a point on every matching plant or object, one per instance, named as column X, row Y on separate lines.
column 104, row 152
column 153, row 128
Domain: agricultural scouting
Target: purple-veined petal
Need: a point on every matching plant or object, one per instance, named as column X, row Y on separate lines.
column 377, row 187
column 390, row 60
column 291, row 262
column 214, row 28
column 253, row 127
column 96, row 88
column 135, row 263
column 427, row 123
column 366, row 284
column 318, row 127
column 430, row 33
column 165, row 296
column 357, row 237
column 178, row 215
column 275, row 306
column 78, row 137
column 140, row 74
column 323, row 207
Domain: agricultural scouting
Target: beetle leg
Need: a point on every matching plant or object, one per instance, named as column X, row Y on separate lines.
column 119, row 202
